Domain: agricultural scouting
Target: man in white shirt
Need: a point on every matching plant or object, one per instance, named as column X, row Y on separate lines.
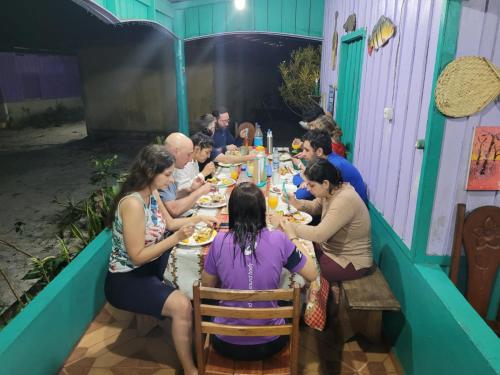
column 190, row 176
column 177, row 201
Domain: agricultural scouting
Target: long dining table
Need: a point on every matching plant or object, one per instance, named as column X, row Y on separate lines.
column 186, row 262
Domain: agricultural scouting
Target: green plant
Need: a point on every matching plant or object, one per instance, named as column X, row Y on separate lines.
column 300, row 78
column 82, row 221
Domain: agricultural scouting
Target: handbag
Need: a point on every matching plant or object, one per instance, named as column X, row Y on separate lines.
column 315, row 314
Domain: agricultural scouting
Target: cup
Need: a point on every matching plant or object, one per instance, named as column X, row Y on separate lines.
column 234, row 172
column 272, row 200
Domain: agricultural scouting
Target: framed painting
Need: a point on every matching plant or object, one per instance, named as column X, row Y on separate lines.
column 484, row 164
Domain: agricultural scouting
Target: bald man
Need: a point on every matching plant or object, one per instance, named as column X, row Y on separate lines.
column 180, row 201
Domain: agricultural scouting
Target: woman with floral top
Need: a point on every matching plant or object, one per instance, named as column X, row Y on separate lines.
column 140, row 247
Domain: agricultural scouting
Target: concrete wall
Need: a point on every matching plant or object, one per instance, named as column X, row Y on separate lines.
column 129, row 84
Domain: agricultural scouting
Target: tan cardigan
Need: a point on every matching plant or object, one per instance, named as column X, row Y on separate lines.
column 344, row 230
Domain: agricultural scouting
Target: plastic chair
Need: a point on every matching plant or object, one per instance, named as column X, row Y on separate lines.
column 479, row 232
column 210, row 362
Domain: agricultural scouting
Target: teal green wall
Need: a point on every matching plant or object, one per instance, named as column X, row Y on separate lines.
column 437, row 331
column 40, row 338
column 296, row 17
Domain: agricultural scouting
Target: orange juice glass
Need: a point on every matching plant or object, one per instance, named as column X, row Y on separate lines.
column 272, row 201
column 234, row 172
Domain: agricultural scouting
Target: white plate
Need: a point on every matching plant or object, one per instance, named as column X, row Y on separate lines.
column 209, row 204
column 191, row 242
column 285, row 157
column 306, row 218
column 227, row 165
column 229, row 181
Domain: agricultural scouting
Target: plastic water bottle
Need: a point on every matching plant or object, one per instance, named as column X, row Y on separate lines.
column 276, row 167
column 258, row 138
column 269, row 141
column 276, row 159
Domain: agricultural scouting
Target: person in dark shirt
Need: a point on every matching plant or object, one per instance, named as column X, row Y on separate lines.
column 223, row 139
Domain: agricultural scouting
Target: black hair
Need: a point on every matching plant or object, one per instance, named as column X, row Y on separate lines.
column 219, row 111
column 150, row 162
column 322, row 170
column 247, row 217
column 319, row 138
column 312, row 113
column 202, row 140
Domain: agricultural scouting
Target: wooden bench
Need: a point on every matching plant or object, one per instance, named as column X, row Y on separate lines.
column 361, row 303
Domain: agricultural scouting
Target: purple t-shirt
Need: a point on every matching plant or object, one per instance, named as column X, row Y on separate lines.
column 274, row 251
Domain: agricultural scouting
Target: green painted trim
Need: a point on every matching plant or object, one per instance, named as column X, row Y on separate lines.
column 348, row 105
column 180, row 79
column 179, row 24
column 111, row 6
column 355, row 35
column 375, row 214
column 435, row 321
column 259, row 16
column 479, row 333
column 195, row 3
column 446, row 51
column 41, row 337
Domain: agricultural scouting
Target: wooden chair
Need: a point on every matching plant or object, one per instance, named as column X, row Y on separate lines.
column 210, row 362
column 251, row 131
column 479, row 231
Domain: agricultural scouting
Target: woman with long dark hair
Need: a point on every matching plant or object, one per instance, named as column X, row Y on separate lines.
column 251, row 257
column 342, row 238
column 140, row 246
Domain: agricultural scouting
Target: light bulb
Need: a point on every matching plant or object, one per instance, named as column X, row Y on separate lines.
column 239, row 4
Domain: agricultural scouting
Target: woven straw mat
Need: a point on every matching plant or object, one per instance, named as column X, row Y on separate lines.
column 466, row 86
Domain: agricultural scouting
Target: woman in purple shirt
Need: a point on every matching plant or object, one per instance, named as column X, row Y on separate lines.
column 251, row 257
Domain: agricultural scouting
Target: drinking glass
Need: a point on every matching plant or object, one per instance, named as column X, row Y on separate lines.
column 272, row 200
column 234, row 172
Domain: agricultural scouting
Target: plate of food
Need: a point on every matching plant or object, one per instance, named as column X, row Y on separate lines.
column 285, row 157
column 226, row 181
column 212, row 200
column 284, row 170
column 235, row 152
column 275, row 189
column 201, row 236
column 297, row 217
column 227, row 165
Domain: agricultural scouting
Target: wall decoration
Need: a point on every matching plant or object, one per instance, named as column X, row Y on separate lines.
column 466, row 86
column 335, row 42
column 350, row 23
column 331, row 99
column 484, row 167
column 381, row 33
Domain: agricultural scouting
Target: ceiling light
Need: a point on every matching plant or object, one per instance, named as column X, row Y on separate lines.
column 239, row 4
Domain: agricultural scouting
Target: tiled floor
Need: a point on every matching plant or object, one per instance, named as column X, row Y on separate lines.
column 112, row 345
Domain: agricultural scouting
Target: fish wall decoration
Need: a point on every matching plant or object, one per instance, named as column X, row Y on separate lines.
column 350, row 23
column 383, row 30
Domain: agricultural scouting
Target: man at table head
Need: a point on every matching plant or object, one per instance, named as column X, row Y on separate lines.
column 177, row 201
column 223, row 139
column 317, row 145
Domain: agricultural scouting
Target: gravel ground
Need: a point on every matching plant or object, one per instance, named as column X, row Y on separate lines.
column 37, row 167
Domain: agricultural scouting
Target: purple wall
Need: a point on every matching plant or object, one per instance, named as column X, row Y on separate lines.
column 479, row 35
column 30, row 76
column 399, row 75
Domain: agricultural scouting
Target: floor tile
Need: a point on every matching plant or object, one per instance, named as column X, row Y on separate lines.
column 111, row 345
